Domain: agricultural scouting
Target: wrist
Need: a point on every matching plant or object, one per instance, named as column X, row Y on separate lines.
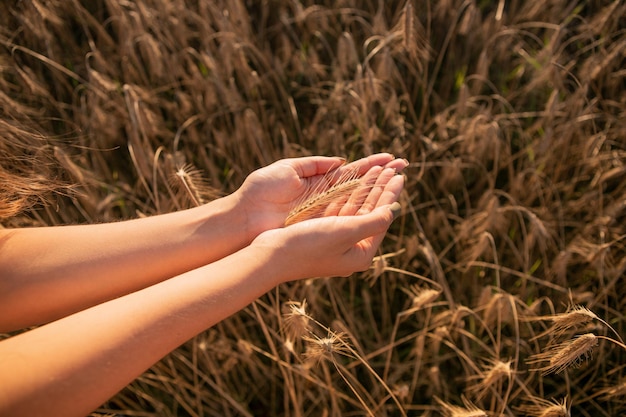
column 239, row 217
column 221, row 226
column 273, row 247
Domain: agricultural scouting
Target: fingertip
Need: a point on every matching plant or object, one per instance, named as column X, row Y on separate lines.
column 309, row 166
column 396, row 210
column 398, row 164
column 389, row 212
column 398, row 180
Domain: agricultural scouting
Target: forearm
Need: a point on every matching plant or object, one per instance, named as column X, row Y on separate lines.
column 71, row 366
column 50, row 272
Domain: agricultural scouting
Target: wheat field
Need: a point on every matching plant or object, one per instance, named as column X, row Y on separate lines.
column 499, row 291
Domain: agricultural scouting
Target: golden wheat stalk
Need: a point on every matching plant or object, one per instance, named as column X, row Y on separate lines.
column 495, row 372
column 468, row 409
column 335, row 343
column 319, row 348
column 409, row 27
column 334, row 188
column 421, row 297
column 187, row 178
column 297, row 320
column 563, row 355
column 189, row 184
column 545, row 408
column 575, row 317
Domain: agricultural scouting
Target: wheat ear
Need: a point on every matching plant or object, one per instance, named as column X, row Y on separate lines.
column 469, row 409
column 574, row 317
column 566, row 354
column 189, row 184
column 495, row 372
column 326, row 191
column 545, row 408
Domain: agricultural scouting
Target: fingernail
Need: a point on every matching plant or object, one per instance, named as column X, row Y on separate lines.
column 396, row 210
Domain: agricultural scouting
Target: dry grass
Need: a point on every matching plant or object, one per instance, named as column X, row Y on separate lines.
column 543, row 408
column 512, row 114
column 567, row 354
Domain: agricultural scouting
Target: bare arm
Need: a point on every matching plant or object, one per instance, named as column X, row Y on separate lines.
column 72, row 365
column 92, row 354
column 50, row 272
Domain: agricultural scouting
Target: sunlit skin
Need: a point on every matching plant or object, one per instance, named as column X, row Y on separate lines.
column 117, row 297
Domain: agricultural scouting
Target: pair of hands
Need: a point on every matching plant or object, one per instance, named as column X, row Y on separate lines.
column 338, row 244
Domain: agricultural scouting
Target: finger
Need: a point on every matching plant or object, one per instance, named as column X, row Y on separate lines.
column 376, row 191
column 360, row 195
column 348, row 201
column 391, row 192
column 364, row 164
column 372, row 231
column 358, row 228
column 361, row 166
column 351, row 240
column 398, row 164
column 314, row 165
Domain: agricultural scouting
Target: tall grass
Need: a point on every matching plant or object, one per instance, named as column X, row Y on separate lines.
column 511, row 112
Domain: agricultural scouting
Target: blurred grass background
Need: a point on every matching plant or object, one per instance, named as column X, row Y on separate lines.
column 511, row 112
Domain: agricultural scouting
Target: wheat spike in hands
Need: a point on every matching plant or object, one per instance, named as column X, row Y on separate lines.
column 270, row 194
column 346, row 191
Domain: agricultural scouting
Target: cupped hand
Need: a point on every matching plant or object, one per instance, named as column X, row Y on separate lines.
column 336, row 245
column 326, row 246
column 269, row 193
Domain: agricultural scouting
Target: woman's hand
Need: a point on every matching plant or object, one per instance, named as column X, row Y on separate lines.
column 336, row 245
column 269, row 193
column 104, row 332
column 328, row 246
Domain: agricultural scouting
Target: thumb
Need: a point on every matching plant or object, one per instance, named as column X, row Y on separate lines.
column 367, row 236
column 375, row 222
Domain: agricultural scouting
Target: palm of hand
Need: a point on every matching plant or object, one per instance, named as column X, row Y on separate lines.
column 269, row 194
